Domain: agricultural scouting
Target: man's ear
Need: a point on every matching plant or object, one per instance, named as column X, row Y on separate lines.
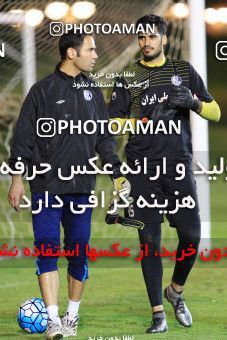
column 164, row 40
column 71, row 53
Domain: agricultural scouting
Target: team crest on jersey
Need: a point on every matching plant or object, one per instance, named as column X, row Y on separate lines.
column 176, row 80
column 87, row 95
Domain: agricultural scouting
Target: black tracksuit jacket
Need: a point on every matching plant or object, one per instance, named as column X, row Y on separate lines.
column 57, row 97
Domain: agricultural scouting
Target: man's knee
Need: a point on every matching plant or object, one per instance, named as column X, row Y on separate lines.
column 189, row 235
column 78, row 270
column 47, row 258
column 151, row 235
column 45, row 265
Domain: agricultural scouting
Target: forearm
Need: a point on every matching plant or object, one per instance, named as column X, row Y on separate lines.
column 17, row 179
column 106, row 147
column 16, row 191
column 210, row 111
column 24, row 134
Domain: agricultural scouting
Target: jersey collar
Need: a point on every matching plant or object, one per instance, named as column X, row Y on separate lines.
column 67, row 76
column 153, row 64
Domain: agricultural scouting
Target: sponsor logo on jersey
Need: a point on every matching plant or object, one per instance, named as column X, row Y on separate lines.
column 114, row 95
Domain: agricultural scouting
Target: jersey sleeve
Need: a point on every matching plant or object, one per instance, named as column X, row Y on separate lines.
column 197, row 86
column 120, row 100
column 24, row 135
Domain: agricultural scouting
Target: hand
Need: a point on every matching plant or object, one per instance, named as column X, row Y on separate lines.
column 121, row 183
column 16, row 192
column 181, row 96
column 163, row 111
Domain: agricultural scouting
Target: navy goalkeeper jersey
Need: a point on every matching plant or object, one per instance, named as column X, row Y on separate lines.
column 136, row 96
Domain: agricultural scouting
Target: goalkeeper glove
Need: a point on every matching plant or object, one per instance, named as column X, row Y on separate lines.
column 164, row 112
column 122, row 184
column 181, row 96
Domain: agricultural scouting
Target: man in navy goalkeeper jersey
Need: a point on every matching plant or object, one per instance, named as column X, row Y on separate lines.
column 166, row 90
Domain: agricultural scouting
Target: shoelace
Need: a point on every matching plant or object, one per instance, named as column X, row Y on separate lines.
column 157, row 321
column 180, row 305
column 71, row 322
column 51, row 325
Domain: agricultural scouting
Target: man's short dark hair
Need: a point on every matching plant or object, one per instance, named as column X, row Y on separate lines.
column 151, row 19
column 71, row 39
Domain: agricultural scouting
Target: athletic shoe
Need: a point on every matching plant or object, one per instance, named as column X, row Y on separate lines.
column 182, row 313
column 69, row 325
column 54, row 331
column 159, row 324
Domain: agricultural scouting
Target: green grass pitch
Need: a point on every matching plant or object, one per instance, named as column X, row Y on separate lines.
column 115, row 302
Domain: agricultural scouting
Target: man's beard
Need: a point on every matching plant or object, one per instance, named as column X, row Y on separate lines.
column 152, row 57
